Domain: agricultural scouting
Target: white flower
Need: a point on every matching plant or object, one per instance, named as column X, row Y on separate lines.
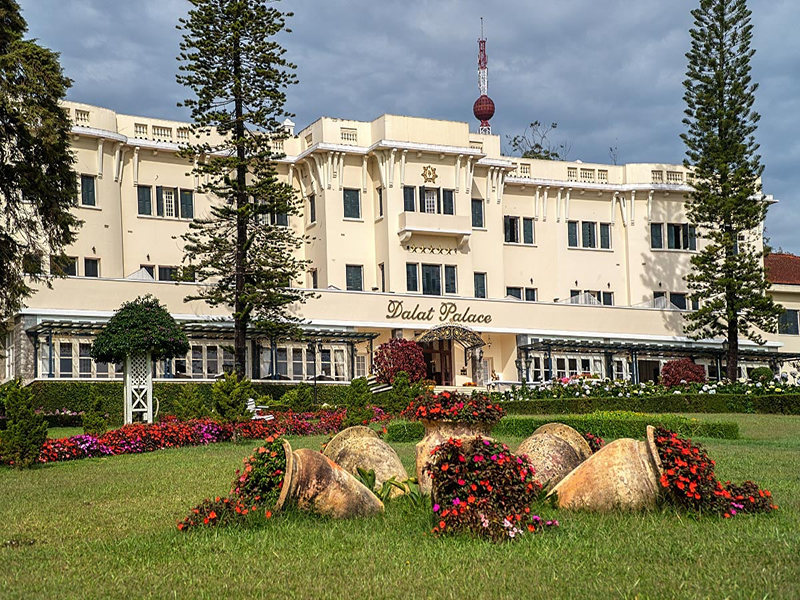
column 676, row 392
column 713, row 392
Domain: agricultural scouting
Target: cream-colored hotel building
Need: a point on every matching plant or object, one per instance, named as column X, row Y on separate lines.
column 510, row 268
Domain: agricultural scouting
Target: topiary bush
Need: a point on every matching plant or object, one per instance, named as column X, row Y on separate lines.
column 190, row 404
column 398, row 355
column 358, row 400
column 26, row 431
column 401, row 395
column 94, row 420
column 230, row 396
column 762, row 375
column 680, row 372
column 299, row 398
column 140, row 326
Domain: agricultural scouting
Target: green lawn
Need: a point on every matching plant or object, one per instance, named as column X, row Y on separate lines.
column 105, row 528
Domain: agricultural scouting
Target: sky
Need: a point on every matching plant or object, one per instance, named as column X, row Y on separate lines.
column 609, row 72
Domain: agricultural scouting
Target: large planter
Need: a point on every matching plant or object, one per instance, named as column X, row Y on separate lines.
column 354, row 448
column 569, row 435
column 551, row 457
column 623, row 475
column 437, row 432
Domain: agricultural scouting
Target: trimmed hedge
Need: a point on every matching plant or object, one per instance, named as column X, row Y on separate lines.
column 777, row 404
column 604, row 424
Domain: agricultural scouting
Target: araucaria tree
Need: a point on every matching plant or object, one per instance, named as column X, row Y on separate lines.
column 727, row 204
column 37, row 184
column 243, row 250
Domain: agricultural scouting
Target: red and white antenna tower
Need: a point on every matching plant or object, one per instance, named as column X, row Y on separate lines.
column 483, row 109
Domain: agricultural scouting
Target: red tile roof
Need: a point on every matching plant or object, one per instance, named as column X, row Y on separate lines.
column 783, row 268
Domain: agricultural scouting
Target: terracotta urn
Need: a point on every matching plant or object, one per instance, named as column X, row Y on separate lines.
column 353, row 449
column 437, row 432
column 623, row 475
column 551, row 457
column 321, row 486
column 569, row 435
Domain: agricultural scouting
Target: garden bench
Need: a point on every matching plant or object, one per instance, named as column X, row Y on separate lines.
column 254, row 410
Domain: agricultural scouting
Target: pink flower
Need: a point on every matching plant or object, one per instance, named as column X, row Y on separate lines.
column 436, row 508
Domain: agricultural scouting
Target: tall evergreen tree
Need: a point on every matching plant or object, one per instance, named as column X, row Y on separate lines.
column 243, row 249
column 727, row 204
column 37, row 184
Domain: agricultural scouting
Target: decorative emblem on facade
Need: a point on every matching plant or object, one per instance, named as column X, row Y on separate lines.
column 429, row 174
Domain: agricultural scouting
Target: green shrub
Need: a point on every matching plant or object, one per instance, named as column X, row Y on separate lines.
column 402, row 393
column 358, row 401
column 299, row 398
column 26, row 431
column 230, row 396
column 190, row 404
column 404, row 431
column 94, row 419
column 762, row 375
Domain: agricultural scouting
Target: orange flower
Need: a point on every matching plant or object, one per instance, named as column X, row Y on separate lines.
column 445, row 466
column 212, row 515
column 442, row 524
column 268, row 514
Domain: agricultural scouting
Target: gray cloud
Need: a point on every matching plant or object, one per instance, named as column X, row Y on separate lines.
column 610, row 73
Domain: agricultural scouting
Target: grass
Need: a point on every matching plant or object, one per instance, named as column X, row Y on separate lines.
column 105, row 528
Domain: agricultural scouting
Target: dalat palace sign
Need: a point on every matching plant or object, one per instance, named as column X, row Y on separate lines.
column 448, row 311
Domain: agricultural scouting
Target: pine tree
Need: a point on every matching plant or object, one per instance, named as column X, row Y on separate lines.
column 238, row 74
column 26, row 430
column 37, row 184
column 727, row 205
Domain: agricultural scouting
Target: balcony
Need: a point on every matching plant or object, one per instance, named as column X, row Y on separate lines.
column 427, row 224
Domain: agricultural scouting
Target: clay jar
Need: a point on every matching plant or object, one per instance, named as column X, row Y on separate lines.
column 353, row 448
column 569, row 435
column 623, row 475
column 317, row 484
column 551, row 457
column 437, row 432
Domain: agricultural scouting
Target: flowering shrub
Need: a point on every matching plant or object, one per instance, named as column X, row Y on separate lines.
column 595, row 442
column 480, row 487
column 398, row 355
column 681, row 372
column 690, row 479
column 257, row 485
column 452, row 406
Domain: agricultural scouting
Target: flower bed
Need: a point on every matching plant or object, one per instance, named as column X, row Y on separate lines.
column 452, row 406
column 480, row 487
column 258, row 484
column 690, row 479
column 171, row 433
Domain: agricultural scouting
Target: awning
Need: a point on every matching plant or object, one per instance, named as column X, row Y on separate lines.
column 451, row 331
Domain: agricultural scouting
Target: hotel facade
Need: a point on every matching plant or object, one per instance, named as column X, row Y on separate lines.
column 503, row 268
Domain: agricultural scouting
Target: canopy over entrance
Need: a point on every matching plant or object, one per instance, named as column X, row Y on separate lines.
column 451, row 331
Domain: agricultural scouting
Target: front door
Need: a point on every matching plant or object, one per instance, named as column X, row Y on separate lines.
column 439, row 361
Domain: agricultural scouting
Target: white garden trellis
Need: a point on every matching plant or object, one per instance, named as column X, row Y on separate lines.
column 139, row 387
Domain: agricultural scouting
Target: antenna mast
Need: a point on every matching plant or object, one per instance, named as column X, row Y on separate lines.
column 483, row 109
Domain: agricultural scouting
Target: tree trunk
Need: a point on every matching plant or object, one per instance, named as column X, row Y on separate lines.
column 240, row 312
column 732, row 370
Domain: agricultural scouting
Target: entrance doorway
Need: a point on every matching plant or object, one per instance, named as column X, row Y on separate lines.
column 649, row 370
column 439, row 361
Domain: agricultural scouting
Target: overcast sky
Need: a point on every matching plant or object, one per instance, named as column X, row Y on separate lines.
column 609, row 72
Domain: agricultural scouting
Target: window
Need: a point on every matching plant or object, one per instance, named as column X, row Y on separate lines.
column 561, row 368
column 431, row 201
column 589, row 234
column 511, row 229
column 167, row 273
column 656, row 235
column 530, row 294
column 297, row 363
column 450, row 283
column 91, row 267
column 514, row 292
column 279, row 219
column 354, row 277
column 312, row 209
column 88, row 191
column 408, row 198
column 674, row 237
column 339, row 368
column 412, row 282
column 64, row 265
column 608, row 298
column 527, row 231
column 572, row 234
column 197, row 362
column 145, row 197
column 605, row 236
column 448, row 202
column 352, row 204
column 101, row 370
column 84, row 360
column 227, row 360
column 678, row 299
column 65, row 359
column 431, row 280
column 32, row 263
column 689, row 237
column 382, row 275
column 187, row 204
column 325, row 363
column 480, row 285
column 380, row 201
column 314, row 279
column 311, row 363
column 361, row 365
column 477, row 213
column 788, row 324
column 282, row 363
